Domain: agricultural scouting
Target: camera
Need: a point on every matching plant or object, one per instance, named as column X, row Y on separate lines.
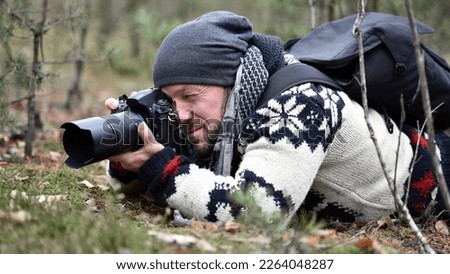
column 94, row 139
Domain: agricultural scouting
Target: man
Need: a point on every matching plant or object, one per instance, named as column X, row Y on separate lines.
column 308, row 147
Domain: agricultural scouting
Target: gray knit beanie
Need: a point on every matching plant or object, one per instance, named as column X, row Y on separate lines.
column 207, row 51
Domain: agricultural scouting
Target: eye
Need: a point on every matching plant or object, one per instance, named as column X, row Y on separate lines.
column 188, row 96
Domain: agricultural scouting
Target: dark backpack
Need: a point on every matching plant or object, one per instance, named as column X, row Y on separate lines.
column 330, row 56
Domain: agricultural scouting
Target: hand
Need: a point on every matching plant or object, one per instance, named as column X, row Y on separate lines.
column 113, row 103
column 133, row 160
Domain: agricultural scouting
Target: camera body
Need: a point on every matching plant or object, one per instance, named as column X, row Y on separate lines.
column 94, row 139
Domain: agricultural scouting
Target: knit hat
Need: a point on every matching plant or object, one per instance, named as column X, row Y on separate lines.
column 207, row 50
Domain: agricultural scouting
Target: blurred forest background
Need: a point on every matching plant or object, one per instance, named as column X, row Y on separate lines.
column 59, row 60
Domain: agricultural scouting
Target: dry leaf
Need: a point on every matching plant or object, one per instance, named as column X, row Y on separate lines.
column 385, row 221
column 92, row 205
column 232, row 227
column 369, row 243
column 197, row 225
column 183, row 240
column 14, row 194
column 19, row 216
column 49, row 199
column 205, row 246
column 258, row 239
column 54, row 156
column 312, row 240
column 103, row 187
column 365, row 242
column 87, row 184
column 442, row 227
column 211, row 227
column 43, row 185
column 19, row 177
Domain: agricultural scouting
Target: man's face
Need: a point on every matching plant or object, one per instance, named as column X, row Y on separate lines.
column 200, row 110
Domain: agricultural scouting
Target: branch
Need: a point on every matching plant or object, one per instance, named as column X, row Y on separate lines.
column 313, row 13
column 427, row 106
column 403, row 210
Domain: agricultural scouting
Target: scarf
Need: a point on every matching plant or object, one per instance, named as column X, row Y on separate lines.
column 263, row 58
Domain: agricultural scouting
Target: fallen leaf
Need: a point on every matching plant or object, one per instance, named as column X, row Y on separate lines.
column 103, row 187
column 232, row 227
column 211, row 227
column 385, row 221
column 87, row 184
column 365, row 242
column 22, row 195
column 54, row 156
column 20, row 216
column 442, row 227
column 19, row 177
column 49, row 199
column 258, row 239
column 92, row 205
column 43, row 185
column 183, row 240
column 205, row 246
column 197, row 225
column 369, row 243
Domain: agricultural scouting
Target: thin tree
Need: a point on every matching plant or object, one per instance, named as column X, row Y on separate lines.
column 36, row 24
column 75, row 90
column 37, row 30
column 401, row 206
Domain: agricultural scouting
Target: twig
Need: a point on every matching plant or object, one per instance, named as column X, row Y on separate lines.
column 403, row 210
column 427, row 106
column 416, row 152
column 402, row 119
column 313, row 13
column 26, row 97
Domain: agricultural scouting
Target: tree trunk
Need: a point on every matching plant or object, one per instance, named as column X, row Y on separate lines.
column 75, row 90
column 36, row 78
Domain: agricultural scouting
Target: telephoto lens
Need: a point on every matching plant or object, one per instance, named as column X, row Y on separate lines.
column 94, row 139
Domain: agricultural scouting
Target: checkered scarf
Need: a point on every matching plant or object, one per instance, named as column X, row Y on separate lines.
column 251, row 80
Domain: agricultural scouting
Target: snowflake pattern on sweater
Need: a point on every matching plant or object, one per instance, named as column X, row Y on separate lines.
column 309, row 114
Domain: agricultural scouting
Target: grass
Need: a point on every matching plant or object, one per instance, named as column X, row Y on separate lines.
column 46, row 209
column 95, row 219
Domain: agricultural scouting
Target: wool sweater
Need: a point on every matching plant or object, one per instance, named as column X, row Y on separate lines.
column 308, row 147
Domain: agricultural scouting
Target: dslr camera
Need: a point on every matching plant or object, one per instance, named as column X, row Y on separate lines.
column 94, row 139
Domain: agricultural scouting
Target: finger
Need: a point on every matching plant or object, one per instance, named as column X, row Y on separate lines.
column 111, row 103
column 146, row 134
column 121, row 158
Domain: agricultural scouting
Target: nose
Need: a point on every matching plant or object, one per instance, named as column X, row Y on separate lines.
column 184, row 112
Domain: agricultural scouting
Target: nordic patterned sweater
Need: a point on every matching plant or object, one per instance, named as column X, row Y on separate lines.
column 308, row 147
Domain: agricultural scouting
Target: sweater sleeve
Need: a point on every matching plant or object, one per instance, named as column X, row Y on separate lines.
column 283, row 144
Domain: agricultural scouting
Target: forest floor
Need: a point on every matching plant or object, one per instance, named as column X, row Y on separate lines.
column 46, row 207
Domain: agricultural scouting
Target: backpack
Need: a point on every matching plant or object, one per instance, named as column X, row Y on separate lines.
column 329, row 55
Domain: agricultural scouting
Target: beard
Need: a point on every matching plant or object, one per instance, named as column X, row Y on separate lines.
column 202, row 151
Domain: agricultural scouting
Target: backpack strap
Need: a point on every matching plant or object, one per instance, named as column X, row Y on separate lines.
column 293, row 75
